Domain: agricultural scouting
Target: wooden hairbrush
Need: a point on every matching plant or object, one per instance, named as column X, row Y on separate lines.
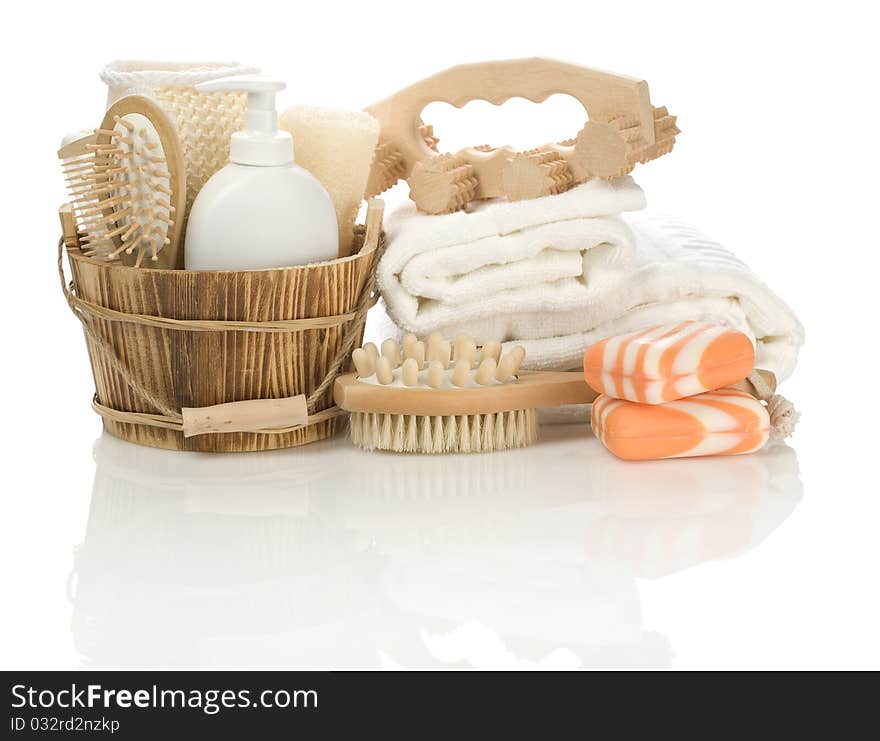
column 623, row 129
column 442, row 397
column 127, row 184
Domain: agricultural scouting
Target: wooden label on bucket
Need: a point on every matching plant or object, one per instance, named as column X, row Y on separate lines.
column 257, row 415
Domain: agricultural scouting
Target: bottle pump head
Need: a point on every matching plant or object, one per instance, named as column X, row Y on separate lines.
column 260, row 143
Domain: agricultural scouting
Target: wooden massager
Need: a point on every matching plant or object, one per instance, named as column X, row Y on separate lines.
column 623, row 129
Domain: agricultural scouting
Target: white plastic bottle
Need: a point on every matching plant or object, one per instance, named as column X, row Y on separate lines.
column 261, row 210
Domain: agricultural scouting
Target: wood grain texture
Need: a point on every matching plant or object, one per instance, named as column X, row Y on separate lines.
column 531, row 390
column 195, row 369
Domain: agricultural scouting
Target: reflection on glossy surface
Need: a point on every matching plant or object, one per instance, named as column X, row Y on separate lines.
column 330, row 557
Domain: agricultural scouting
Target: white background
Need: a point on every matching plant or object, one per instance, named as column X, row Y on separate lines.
column 553, row 557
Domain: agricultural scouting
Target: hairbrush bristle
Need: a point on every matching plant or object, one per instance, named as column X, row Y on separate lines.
column 477, row 433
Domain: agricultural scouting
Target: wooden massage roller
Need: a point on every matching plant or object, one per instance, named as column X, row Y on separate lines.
column 623, row 129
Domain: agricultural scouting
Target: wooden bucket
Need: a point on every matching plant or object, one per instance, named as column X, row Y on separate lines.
column 146, row 370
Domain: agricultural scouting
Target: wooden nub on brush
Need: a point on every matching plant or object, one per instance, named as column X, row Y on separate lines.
column 441, row 397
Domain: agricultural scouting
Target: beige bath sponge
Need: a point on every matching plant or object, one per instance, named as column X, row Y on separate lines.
column 337, row 147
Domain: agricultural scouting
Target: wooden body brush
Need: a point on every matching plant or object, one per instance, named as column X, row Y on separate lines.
column 435, row 398
column 126, row 182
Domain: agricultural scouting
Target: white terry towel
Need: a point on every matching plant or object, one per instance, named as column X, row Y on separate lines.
column 441, row 271
column 679, row 274
column 524, row 272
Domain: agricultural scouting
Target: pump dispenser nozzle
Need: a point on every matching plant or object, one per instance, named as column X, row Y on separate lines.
column 261, row 143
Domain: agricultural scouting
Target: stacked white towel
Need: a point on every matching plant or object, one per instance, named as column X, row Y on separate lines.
column 556, row 274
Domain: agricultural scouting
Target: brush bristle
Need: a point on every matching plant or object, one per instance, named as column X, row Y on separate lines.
column 478, row 433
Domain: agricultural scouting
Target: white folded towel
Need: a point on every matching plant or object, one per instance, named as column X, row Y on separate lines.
column 439, row 270
column 679, row 274
column 556, row 274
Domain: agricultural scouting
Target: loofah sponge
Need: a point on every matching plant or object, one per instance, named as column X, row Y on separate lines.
column 337, row 147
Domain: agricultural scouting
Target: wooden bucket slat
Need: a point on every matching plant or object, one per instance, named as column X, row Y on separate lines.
column 193, row 369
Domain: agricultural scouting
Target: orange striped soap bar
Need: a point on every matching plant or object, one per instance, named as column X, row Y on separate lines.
column 723, row 422
column 669, row 362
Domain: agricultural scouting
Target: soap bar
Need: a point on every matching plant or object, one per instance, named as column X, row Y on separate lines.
column 670, row 362
column 723, row 422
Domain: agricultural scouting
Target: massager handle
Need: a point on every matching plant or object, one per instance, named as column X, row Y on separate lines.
column 602, row 94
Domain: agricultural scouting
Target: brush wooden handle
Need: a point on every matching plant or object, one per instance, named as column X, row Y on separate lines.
column 531, row 390
column 77, row 147
column 68, row 226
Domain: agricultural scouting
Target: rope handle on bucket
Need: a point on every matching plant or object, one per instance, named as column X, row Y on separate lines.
column 266, row 416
